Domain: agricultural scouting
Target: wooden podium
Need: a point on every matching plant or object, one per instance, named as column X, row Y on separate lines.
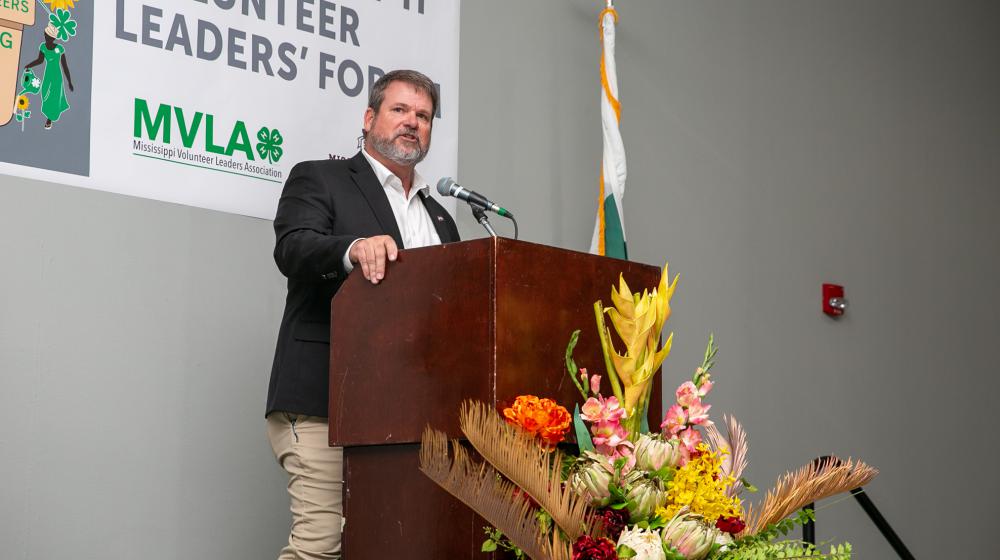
column 487, row 320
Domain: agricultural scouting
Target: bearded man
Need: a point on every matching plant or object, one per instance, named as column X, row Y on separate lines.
column 335, row 216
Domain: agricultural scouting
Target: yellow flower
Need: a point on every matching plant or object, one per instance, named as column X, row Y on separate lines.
column 59, row 4
column 638, row 319
column 22, row 102
column 699, row 486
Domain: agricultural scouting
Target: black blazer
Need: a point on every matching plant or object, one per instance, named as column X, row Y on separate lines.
column 324, row 206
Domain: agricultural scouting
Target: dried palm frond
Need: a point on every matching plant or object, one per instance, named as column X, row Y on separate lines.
column 736, row 445
column 478, row 486
column 817, row 480
column 740, row 447
column 536, row 471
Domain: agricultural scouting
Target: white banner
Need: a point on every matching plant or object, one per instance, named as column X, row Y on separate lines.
column 209, row 103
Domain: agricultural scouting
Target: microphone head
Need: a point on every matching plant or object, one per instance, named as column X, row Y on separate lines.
column 444, row 186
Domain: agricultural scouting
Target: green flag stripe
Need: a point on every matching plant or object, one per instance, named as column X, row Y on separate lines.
column 614, row 234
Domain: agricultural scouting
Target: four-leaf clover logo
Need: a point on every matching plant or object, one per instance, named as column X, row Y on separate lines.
column 64, row 23
column 269, row 145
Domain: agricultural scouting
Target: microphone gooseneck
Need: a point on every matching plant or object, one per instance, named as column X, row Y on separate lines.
column 448, row 187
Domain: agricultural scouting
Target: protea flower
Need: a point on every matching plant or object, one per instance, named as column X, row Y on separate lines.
column 644, row 496
column 646, row 544
column 592, row 476
column 652, row 453
column 690, row 535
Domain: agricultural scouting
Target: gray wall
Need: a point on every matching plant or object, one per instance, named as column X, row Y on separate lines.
column 772, row 146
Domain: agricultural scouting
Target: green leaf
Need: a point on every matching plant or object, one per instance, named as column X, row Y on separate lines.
column 626, row 551
column 544, row 520
column 664, row 473
column 617, row 494
column 489, row 546
column 748, row 486
column 582, row 433
column 656, row 522
column 671, row 553
column 571, row 368
column 630, row 504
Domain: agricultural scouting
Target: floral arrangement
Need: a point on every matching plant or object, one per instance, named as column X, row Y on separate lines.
column 627, row 491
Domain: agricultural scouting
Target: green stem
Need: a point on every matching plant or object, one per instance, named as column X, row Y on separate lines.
column 644, row 406
column 607, row 348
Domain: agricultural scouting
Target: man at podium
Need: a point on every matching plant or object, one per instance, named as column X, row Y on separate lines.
column 335, row 216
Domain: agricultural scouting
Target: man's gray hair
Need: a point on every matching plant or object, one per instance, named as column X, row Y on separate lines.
column 412, row 77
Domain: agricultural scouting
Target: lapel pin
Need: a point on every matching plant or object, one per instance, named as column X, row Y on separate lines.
column 440, row 218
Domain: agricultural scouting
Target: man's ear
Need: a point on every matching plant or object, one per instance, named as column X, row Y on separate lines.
column 369, row 119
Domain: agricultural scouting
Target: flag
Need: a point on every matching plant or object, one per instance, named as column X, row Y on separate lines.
column 609, row 231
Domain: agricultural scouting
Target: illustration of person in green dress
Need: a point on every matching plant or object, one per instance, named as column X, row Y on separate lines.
column 53, row 95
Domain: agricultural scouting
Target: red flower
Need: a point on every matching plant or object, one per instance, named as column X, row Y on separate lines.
column 731, row 525
column 614, row 521
column 588, row 548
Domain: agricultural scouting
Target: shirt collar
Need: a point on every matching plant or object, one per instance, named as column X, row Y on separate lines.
column 389, row 180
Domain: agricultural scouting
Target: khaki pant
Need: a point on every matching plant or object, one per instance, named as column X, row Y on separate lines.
column 315, row 484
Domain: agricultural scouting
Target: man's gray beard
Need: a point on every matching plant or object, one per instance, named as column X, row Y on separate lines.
column 394, row 153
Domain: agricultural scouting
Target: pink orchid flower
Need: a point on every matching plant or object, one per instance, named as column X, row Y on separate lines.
column 674, row 420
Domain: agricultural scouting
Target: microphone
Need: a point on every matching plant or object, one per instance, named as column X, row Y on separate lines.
column 448, row 187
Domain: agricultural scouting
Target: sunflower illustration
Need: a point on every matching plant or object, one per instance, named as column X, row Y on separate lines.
column 59, row 4
column 22, row 102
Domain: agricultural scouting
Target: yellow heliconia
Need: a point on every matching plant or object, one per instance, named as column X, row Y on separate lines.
column 638, row 320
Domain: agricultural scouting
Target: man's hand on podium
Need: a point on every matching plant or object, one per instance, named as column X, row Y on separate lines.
column 371, row 253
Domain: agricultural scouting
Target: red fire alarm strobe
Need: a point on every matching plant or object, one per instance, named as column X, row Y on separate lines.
column 834, row 302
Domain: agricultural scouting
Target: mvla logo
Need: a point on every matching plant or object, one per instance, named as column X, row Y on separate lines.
column 196, row 130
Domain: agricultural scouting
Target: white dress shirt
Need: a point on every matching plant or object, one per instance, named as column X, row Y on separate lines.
column 415, row 224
